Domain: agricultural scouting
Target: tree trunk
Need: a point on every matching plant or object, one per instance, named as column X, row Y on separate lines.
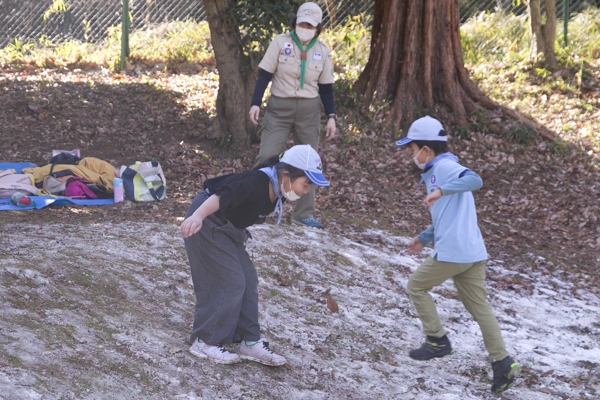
column 543, row 35
column 416, row 63
column 231, row 98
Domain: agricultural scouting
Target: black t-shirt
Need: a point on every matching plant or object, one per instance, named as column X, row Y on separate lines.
column 244, row 197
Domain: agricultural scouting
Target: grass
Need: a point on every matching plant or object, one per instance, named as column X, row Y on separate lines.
column 495, row 48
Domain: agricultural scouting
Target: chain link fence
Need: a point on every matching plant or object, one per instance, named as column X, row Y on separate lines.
column 90, row 20
column 470, row 8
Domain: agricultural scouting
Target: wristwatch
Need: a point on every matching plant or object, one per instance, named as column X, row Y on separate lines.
column 331, row 116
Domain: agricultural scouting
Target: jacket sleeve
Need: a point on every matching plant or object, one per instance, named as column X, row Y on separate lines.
column 467, row 181
column 426, row 236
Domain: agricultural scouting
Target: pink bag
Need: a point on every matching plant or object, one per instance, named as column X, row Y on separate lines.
column 76, row 187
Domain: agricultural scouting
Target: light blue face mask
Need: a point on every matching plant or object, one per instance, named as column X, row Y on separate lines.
column 272, row 174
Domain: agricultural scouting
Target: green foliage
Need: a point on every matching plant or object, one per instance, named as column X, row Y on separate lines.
column 495, row 37
column 259, row 21
column 57, row 6
column 522, row 134
column 505, row 37
column 180, row 41
column 351, row 43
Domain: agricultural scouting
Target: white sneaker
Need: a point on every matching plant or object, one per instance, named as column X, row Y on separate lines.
column 216, row 353
column 260, row 352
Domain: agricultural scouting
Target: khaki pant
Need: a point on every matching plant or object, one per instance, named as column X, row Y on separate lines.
column 283, row 116
column 469, row 280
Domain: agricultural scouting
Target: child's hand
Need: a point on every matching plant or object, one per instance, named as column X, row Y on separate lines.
column 432, row 197
column 415, row 246
column 191, row 225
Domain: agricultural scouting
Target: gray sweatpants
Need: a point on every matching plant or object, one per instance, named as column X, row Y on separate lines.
column 225, row 282
column 283, row 116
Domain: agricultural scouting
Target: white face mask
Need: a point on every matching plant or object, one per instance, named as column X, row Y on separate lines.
column 418, row 164
column 304, row 34
column 291, row 195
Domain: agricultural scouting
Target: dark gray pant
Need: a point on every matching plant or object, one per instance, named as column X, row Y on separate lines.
column 225, row 282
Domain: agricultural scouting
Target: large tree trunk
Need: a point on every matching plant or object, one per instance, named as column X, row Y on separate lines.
column 231, row 99
column 543, row 35
column 416, row 62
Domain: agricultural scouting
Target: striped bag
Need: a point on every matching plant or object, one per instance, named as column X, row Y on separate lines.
column 144, row 181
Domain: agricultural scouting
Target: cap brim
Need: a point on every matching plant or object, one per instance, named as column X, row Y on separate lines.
column 310, row 20
column 316, row 178
column 403, row 142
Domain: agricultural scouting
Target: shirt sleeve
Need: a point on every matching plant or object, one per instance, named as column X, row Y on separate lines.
column 270, row 59
column 427, row 236
column 262, row 82
column 467, row 181
column 326, row 93
column 327, row 74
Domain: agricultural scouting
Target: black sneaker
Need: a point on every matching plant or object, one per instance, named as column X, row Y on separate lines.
column 505, row 372
column 433, row 347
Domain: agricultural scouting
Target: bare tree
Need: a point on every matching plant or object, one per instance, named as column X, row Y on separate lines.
column 231, row 98
column 543, row 33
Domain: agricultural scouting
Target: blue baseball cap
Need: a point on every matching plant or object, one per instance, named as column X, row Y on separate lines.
column 304, row 157
column 425, row 128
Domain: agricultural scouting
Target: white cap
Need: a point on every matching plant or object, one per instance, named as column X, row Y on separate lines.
column 309, row 12
column 304, row 157
column 425, row 128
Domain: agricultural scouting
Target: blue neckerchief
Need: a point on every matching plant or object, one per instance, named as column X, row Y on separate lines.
column 437, row 158
column 272, row 174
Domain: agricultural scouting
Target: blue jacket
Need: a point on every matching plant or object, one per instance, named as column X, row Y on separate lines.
column 455, row 232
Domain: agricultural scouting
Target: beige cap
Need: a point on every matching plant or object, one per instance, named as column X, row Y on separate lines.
column 309, row 12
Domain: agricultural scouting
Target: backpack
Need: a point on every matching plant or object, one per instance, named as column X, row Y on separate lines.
column 11, row 182
column 144, row 181
column 63, row 158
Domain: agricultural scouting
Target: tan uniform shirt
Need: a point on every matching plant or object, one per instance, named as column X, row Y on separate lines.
column 282, row 59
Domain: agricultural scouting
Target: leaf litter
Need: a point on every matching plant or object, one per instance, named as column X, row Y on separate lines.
column 97, row 301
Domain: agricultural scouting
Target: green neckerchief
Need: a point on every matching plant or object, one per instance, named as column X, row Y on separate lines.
column 302, row 55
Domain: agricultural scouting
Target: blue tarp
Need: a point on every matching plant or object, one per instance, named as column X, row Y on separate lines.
column 18, row 166
column 43, row 201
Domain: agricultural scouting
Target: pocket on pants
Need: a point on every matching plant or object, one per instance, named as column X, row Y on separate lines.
column 238, row 236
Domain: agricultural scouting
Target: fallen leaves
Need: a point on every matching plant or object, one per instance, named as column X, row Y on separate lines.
column 332, row 304
column 539, row 199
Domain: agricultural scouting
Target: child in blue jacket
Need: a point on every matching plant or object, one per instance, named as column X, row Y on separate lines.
column 459, row 251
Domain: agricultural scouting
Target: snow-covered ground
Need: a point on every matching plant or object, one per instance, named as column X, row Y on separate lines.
column 103, row 311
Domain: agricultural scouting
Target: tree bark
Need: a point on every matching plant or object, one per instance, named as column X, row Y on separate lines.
column 416, row 64
column 543, row 35
column 414, row 61
column 231, row 99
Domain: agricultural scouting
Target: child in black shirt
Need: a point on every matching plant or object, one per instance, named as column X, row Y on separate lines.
column 214, row 231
